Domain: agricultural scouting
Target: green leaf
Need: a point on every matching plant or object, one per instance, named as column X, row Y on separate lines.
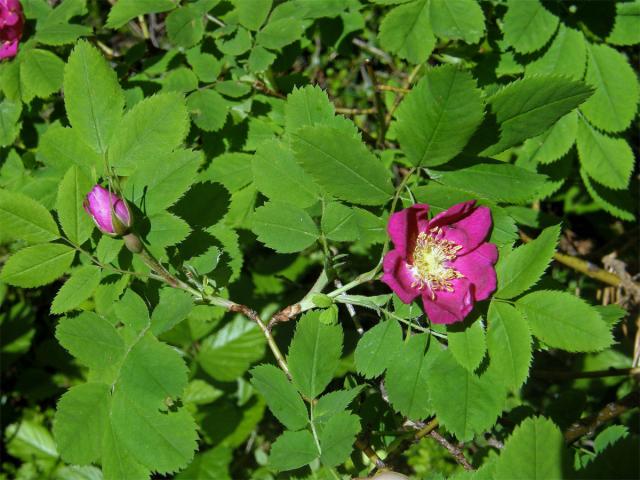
column 625, row 29
column 339, row 223
column 534, row 451
column 306, row 107
column 457, row 19
column 617, row 203
column 314, row 354
column 212, row 464
column 166, row 230
column 526, row 108
column 567, row 56
column 91, row 339
column 208, row 109
column 281, row 396
column 253, row 13
column 337, row 438
column 132, row 311
column 140, row 135
column 41, row 73
column 464, row 403
column 125, row 10
column 342, row 165
column 528, row 26
column 378, row 348
column 9, row 126
column 29, row 441
column 334, row 402
column 61, row 147
column 284, row 227
column 439, row 115
column 562, row 320
column 80, row 422
column 76, row 223
column 185, row 26
column 173, row 307
column 280, row 32
column 552, row 144
column 260, row 59
column 614, row 102
column 206, row 66
column 199, row 392
column 526, row 264
column 37, row 265
column 277, row 175
column 406, row 31
column 231, row 169
column 236, row 45
column 408, row 378
column 79, row 287
column 25, row 219
column 117, row 461
column 293, row 450
column 509, row 344
column 93, row 98
column 501, row 182
column 228, row 353
column 467, row 344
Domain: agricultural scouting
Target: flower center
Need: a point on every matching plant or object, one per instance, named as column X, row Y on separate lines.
column 431, row 258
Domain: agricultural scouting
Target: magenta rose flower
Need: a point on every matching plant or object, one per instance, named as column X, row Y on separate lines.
column 445, row 260
column 109, row 211
column 11, row 24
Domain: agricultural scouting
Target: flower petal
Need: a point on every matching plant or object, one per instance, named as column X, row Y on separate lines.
column 450, row 307
column 122, row 212
column 452, row 214
column 398, row 277
column 478, row 268
column 404, row 226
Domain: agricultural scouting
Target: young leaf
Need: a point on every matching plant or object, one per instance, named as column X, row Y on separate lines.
column 337, row 437
column 528, row 26
column 467, row 344
column 437, row 118
column 509, row 344
column 37, row 265
column 406, row 31
column 552, row 144
column 342, row 165
column 125, row 10
column 281, row 396
column 562, row 320
column 80, row 286
column 93, row 98
column 566, row 56
column 284, row 227
column 457, row 19
column 378, row 348
column 314, row 354
column 293, row 450
column 76, row 223
column 526, row 264
column 25, row 219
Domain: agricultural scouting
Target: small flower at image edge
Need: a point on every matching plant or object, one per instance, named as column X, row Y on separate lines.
column 11, row 24
column 109, row 212
column 445, row 260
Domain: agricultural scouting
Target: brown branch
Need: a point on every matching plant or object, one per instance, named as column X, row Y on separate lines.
column 355, row 111
column 391, row 88
column 405, row 89
column 563, row 375
column 453, row 450
column 370, row 453
column 382, row 125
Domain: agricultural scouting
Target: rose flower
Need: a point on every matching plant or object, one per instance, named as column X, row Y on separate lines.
column 11, row 24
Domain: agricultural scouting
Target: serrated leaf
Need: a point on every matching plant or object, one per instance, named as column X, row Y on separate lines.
column 29, row 440
column 117, row 461
column 253, row 13
column 334, row 402
column 342, row 165
column 80, row 422
column 625, row 31
column 185, row 26
column 526, row 264
column 205, row 66
column 437, row 118
column 9, row 126
column 339, row 222
column 132, row 311
column 464, row 403
column 306, row 107
column 614, row 102
column 61, row 148
column 457, row 19
column 208, row 109
column 509, row 344
column 278, row 33
column 93, row 98
column 552, row 144
column 617, row 203
column 314, row 354
column 567, row 56
column 79, row 287
column 284, row 227
column 125, row 10
column 24, row 218
column 406, row 31
column 610, row 160
column 173, row 307
column 231, row 169
column 166, row 230
column 293, row 450
column 378, row 348
column 37, row 265
column 41, row 73
column 408, row 378
column 535, row 438
column 562, row 320
column 467, row 344
column 528, row 107
column 76, row 223
column 528, row 26
column 141, row 134
column 337, row 438
column 277, row 175
column 501, row 182
column 236, row 45
column 281, row 396
column 228, row 353
column 212, row 464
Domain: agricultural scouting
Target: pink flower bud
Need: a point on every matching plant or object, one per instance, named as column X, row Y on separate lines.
column 11, row 24
column 109, row 211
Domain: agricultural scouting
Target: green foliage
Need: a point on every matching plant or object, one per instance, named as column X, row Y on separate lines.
column 293, row 450
column 78, row 288
column 377, row 348
column 406, row 31
column 467, row 344
column 75, row 186
column 41, row 73
column 528, row 26
column 125, row 10
column 26, row 219
column 37, row 265
column 284, row 227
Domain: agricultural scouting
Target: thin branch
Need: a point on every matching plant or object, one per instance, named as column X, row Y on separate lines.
column 564, row 375
column 356, row 111
column 405, row 86
column 453, row 450
column 391, row 88
column 379, row 103
column 370, row 453
column 358, row 42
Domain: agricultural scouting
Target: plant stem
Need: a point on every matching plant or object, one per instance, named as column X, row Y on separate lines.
column 453, row 450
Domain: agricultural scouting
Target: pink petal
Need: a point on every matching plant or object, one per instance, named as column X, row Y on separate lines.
column 122, row 212
column 450, row 307
column 398, row 277
column 478, row 268
column 404, row 226
column 452, row 214
column 8, row 49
